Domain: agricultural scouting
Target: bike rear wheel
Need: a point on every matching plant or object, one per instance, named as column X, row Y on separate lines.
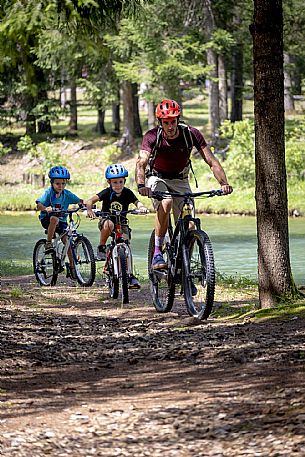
column 84, row 260
column 162, row 286
column 44, row 265
column 198, row 274
column 123, row 274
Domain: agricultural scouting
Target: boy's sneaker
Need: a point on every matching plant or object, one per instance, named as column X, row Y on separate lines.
column 158, row 262
column 134, row 283
column 101, row 252
column 48, row 247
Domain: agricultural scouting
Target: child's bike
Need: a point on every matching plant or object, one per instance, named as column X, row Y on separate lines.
column 190, row 261
column 47, row 266
column 118, row 267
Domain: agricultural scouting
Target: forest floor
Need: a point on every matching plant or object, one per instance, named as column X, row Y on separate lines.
column 82, row 376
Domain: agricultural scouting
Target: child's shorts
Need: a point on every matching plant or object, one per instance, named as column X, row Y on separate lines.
column 61, row 226
column 126, row 230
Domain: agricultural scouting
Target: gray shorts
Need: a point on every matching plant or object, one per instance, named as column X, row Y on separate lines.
column 171, row 185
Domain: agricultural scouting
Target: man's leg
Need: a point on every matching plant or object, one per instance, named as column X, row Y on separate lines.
column 161, row 224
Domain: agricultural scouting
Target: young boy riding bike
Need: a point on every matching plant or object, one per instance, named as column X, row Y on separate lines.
column 116, row 197
column 56, row 197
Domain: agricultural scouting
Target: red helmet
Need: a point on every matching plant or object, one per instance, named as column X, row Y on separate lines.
column 167, row 108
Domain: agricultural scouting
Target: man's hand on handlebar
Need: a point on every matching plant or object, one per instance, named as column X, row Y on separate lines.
column 145, row 191
column 143, row 210
column 226, row 189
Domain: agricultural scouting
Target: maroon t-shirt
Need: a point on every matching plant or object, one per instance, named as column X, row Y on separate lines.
column 172, row 155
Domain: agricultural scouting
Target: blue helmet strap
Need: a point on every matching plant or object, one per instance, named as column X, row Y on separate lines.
column 112, row 193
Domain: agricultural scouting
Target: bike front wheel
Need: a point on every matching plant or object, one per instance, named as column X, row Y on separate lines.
column 123, row 274
column 112, row 279
column 198, row 274
column 84, row 261
column 162, row 286
column 44, row 265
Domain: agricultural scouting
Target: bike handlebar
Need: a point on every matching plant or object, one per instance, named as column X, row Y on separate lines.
column 160, row 195
column 58, row 212
column 116, row 213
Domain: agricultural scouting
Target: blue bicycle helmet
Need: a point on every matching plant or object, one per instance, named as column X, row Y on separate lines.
column 116, row 170
column 59, row 172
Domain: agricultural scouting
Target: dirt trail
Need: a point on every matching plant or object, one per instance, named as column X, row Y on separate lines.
column 81, row 376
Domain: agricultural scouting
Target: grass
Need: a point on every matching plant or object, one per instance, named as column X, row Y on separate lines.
column 11, row 268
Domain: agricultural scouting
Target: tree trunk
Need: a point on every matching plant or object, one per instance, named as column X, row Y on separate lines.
column 126, row 143
column 44, row 125
column 30, row 124
column 73, row 107
column 116, row 119
column 137, row 123
column 274, row 271
column 213, row 94
column 223, row 89
column 212, row 60
column 288, row 89
column 100, row 125
column 237, row 84
column 151, row 115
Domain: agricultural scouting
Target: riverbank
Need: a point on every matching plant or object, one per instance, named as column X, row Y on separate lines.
column 87, row 160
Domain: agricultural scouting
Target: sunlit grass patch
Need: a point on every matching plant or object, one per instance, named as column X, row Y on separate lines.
column 235, row 281
column 16, row 292
column 286, row 310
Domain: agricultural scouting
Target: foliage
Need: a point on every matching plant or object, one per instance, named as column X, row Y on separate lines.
column 145, row 51
column 241, row 151
column 3, row 150
column 44, row 154
column 295, row 159
column 26, row 145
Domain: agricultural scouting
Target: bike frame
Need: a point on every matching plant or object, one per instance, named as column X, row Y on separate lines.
column 118, row 243
column 177, row 234
column 70, row 232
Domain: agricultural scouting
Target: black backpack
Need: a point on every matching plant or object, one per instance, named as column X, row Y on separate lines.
column 188, row 138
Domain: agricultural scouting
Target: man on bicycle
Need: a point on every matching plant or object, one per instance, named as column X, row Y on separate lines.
column 164, row 163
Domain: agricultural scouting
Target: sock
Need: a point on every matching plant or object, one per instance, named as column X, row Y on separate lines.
column 158, row 244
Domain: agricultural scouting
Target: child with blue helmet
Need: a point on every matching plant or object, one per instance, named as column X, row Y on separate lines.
column 114, row 197
column 56, row 197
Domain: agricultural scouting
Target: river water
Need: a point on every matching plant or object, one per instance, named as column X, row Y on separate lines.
column 233, row 238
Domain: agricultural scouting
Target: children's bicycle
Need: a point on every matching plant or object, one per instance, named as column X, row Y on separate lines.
column 190, row 261
column 48, row 265
column 118, row 267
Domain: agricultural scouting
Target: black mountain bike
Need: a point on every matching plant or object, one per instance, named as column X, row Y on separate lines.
column 47, row 266
column 190, row 261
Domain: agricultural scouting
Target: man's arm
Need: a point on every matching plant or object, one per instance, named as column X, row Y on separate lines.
column 216, row 168
column 141, row 164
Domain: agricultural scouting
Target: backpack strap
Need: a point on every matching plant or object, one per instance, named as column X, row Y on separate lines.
column 188, row 138
column 154, row 151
